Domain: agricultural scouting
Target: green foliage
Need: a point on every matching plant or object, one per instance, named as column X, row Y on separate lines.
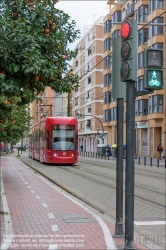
column 14, row 119
column 34, row 42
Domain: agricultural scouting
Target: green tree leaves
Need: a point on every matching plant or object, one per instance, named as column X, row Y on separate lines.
column 34, row 37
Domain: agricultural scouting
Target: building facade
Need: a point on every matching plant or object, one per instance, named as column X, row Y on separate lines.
column 88, row 99
column 150, row 109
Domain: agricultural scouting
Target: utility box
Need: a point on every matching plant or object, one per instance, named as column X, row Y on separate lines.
column 101, row 149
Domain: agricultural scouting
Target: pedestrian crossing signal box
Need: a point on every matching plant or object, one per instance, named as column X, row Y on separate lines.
column 153, row 71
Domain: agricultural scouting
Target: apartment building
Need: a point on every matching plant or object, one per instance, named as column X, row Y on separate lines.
column 150, row 109
column 67, row 104
column 88, row 99
column 46, row 108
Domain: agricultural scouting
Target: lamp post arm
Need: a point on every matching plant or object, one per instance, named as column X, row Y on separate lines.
column 98, row 120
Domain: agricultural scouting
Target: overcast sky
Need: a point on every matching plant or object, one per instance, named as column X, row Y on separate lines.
column 85, row 13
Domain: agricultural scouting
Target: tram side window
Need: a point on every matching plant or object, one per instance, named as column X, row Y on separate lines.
column 47, row 139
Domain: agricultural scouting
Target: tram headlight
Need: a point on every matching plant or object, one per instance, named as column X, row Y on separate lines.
column 55, row 154
column 72, row 154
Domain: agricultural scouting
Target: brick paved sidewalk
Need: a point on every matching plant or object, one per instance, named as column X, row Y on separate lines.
column 35, row 214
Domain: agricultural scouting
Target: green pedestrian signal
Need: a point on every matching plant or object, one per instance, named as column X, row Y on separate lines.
column 153, row 72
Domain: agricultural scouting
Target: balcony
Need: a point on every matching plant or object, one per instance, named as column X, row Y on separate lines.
column 129, row 12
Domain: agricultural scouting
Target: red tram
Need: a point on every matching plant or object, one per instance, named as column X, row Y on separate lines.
column 55, row 140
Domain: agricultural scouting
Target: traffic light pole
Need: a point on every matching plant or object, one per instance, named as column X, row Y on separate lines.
column 130, row 165
column 119, row 171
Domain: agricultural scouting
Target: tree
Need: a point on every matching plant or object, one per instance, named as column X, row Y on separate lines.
column 14, row 121
column 34, row 53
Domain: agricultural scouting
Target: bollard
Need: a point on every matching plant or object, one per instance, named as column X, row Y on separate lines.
column 165, row 163
column 105, row 157
column 96, row 155
column 158, row 162
column 18, row 152
column 145, row 161
column 88, row 154
column 139, row 160
column 150, row 161
column 93, row 154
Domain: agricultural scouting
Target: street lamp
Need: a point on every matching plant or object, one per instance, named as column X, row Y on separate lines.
column 101, row 135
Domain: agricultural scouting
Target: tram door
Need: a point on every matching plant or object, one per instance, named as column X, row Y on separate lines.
column 41, row 146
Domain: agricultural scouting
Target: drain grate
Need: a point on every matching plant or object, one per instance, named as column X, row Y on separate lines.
column 76, row 218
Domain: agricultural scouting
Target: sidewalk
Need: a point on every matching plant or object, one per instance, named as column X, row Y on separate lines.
column 36, row 214
column 139, row 160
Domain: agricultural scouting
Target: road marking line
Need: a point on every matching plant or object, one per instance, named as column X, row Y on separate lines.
column 26, row 182
column 55, row 228
column 148, row 223
column 44, row 204
column 50, row 215
column 53, row 247
column 32, row 191
column 38, row 197
column 29, row 186
column 8, row 223
column 23, row 179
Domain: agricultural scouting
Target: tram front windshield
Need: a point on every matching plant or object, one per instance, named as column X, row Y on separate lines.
column 63, row 137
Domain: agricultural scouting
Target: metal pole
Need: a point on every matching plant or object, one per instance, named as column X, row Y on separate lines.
column 50, row 110
column 119, row 171
column 68, row 103
column 130, row 151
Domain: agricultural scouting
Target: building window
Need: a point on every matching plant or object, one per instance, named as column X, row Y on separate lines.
column 156, row 104
column 157, row 29
column 107, row 26
column 142, row 36
column 160, row 109
column 107, row 44
column 107, row 62
column 140, row 83
column 156, row 4
column 107, row 115
column 158, row 45
column 141, row 60
column 89, row 80
column 107, row 80
column 116, row 17
column 114, row 114
column 142, row 13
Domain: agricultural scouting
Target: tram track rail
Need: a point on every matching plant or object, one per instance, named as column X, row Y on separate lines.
column 112, row 186
column 142, row 172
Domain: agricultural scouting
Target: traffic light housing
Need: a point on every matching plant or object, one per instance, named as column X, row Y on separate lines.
column 118, row 87
column 128, row 69
column 153, row 71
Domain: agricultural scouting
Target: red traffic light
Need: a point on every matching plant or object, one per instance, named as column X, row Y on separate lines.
column 125, row 30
